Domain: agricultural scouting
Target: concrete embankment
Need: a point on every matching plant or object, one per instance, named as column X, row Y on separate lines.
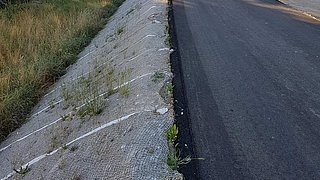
column 107, row 117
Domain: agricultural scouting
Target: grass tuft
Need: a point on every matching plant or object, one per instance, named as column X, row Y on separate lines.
column 174, row 159
column 23, row 170
column 157, row 76
column 120, row 30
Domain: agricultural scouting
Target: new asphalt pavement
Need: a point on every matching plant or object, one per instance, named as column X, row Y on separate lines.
column 251, row 74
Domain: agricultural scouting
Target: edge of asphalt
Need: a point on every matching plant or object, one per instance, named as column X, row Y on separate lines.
column 184, row 140
column 311, row 15
column 182, row 117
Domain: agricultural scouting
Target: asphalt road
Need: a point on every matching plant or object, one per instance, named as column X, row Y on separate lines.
column 251, row 72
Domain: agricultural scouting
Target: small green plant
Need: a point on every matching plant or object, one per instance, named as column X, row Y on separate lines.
column 91, row 108
column 157, row 76
column 169, row 88
column 172, row 133
column 51, row 104
column 65, row 95
column 93, row 102
column 84, row 88
column 124, row 91
column 22, row 170
column 123, row 88
column 64, row 117
column 65, row 92
column 174, row 160
column 67, row 117
column 109, row 79
column 65, row 147
column 74, row 148
column 120, row 30
column 56, row 141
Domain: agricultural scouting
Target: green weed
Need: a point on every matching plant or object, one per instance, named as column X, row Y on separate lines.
column 169, row 88
column 174, row 160
column 172, row 133
column 51, row 104
column 120, row 30
column 23, row 170
column 123, row 88
column 74, row 148
column 157, row 76
column 91, row 108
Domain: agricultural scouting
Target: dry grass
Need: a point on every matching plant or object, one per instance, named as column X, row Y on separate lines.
column 38, row 40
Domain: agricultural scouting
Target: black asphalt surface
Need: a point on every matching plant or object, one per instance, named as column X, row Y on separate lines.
column 251, row 72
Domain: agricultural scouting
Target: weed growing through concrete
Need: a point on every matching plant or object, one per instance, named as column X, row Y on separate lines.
column 65, row 95
column 51, row 103
column 120, row 30
column 109, row 80
column 123, row 88
column 169, row 88
column 174, row 160
column 91, row 108
column 56, row 141
column 64, row 147
column 74, row 148
column 172, row 133
column 94, row 102
column 67, row 117
column 157, row 77
column 22, row 170
column 86, row 92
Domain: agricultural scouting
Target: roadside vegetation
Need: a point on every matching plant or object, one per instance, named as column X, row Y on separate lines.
column 38, row 40
column 174, row 159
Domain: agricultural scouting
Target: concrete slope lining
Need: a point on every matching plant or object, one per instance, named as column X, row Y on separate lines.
column 56, row 143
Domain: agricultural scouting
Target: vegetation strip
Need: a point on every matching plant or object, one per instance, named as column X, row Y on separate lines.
column 184, row 138
column 58, row 102
column 150, row 35
column 39, row 40
column 61, row 118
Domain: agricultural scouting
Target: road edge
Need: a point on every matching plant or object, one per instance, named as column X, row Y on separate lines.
column 184, row 140
column 311, row 15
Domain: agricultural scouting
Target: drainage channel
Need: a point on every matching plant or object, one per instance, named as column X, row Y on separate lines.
column 182, row 119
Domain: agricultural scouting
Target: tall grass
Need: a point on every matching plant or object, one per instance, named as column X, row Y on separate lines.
column 38, row 40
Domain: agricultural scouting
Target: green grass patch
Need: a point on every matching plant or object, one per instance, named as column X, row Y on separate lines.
column 39, row 40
